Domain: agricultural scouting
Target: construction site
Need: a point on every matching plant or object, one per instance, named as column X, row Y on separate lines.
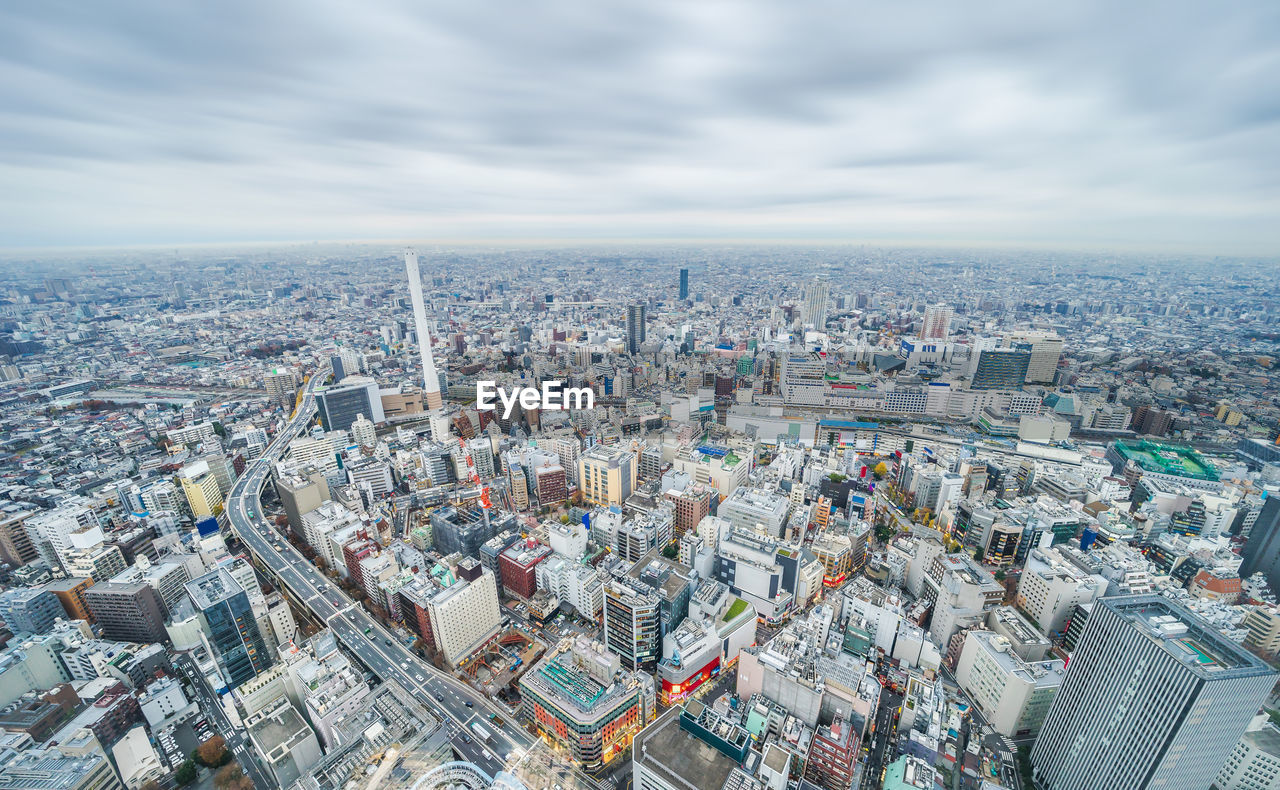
column 498, row 666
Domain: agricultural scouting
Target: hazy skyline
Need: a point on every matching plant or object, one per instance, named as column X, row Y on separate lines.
column 1135, row 126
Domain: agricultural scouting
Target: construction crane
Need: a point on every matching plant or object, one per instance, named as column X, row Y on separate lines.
column 475, row 478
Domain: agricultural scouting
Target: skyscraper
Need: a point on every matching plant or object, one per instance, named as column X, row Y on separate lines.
column 430, row 379
column 228, row 621
column 1000, row 368
column 815, row 303
column 1154, row 697
column 635, row 327
column 1046, row 350
column 937, row 322
column 340, row 404
column 1262, row 551
column 684, row 284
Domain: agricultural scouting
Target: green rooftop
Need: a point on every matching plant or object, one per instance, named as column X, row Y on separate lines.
column 1168, row 459
column 584, row 689
column 736, row 608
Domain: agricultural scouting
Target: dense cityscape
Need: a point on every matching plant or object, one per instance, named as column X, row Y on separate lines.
column 842, row 517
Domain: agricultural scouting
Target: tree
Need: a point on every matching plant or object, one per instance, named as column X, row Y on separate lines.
column 232, row 777
column 150, row 784
column 218, row 429
column 186, row 773
column 213, row 752
column 281, row 520
column 880, row 471
column 1000, row 575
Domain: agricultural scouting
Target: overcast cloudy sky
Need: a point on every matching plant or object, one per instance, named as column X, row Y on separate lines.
column 1076, row 124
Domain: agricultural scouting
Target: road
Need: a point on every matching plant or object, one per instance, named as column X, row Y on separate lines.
column 237, row 741
column 881, row 740
column 456, row 703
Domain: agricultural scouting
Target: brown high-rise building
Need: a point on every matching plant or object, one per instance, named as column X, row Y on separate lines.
column 692, row 505
column 128, row 612
column 70, row 593
column 1151, row 421
column 16, row 547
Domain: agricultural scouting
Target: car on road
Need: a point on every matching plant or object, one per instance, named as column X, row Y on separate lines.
column 468, row 704
column 439, row 698
column 388, row 641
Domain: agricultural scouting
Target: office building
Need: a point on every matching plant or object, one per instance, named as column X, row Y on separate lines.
column 229, row 624
column 607, row 475
column 756, row 509
column 962, row 592
column 632, row 623
column 582, row 697
column 1046, row 351
column 282, row 387
column 678, row 754
column 670, row 582
column 127, row 612
column 30, row 610
column 773, row 575
column 1262, row 550
column 287, row 746
column 518, row 564
column 300, row 493
column 1153, row 697
column 684, row 284
column 1254, row 763
column 342, row 402
column 464, row 530
column 1000, row 368
column 832, row 753
column 803, row 379
column 346, row 362
column 635, row 327
column 77, row 763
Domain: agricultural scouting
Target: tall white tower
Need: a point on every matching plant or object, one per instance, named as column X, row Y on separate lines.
column 431, row 379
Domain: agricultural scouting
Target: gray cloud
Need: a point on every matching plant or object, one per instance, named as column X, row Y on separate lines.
column 1140, row 124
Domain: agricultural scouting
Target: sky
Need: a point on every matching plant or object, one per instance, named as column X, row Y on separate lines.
column 1091, row 125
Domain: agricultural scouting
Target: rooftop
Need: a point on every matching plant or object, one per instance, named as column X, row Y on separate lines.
column 213, row 588
column 1168, row 459
column 682, row 760
column 1187, row 637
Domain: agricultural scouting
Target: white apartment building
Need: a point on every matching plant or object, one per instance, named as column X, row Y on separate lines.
column 1050, row 588
column 465, row 614
column 1013, row 695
